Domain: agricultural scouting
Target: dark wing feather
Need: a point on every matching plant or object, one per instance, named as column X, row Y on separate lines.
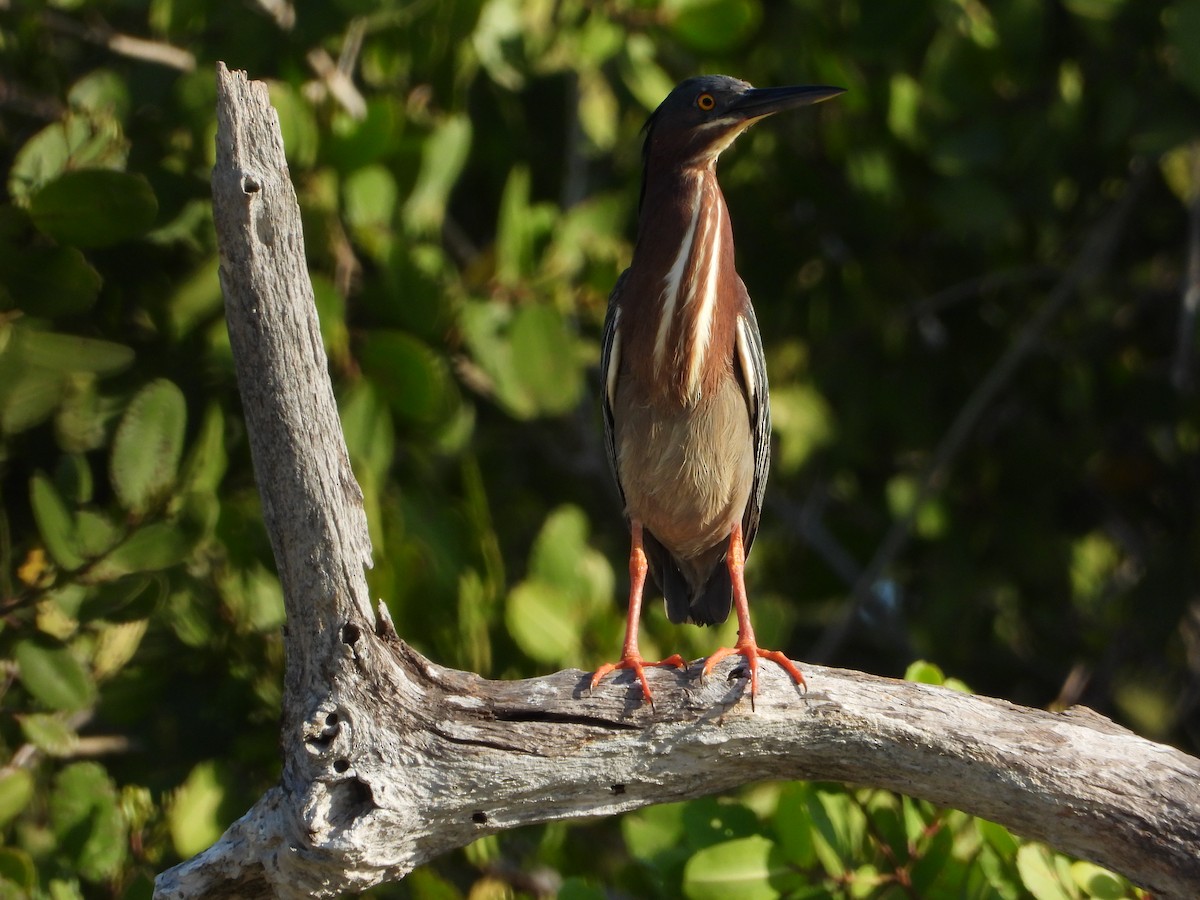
column 753, row 367
column 610, row 357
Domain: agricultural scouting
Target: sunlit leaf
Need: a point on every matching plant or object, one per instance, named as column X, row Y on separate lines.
column 16, row 790
column 543, row 622
column 149, row 548
column 49, row 733
column 748, row 868
column 52, row 674
column 542, row 358
column 297, row 124
column 55, row 522
column 1038, row 875
column 442, row 158
column 87, row 820
column 193, row 815
column 77, row 142
column 101, row 93
column 148, row 445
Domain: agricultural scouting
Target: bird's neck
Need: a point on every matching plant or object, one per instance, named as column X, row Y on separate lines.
column 684, row 259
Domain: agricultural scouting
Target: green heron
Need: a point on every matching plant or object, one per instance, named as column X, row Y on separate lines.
column 687, row 421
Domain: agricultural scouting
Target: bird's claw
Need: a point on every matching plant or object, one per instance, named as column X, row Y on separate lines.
column 638, row 666
column 752, row 653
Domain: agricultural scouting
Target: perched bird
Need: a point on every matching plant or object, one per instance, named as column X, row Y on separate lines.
column 687, row 421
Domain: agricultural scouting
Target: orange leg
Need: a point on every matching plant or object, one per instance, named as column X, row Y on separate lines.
column 631, row 657
column 746, row 646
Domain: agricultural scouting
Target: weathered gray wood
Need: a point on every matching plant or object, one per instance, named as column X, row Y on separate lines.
column 391, row 760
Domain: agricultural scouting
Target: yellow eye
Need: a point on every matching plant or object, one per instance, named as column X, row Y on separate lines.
column 706, row 102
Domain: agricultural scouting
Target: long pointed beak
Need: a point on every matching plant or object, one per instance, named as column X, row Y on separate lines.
column 759, row 102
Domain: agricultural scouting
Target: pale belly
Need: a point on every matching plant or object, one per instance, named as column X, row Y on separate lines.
column 686, row 473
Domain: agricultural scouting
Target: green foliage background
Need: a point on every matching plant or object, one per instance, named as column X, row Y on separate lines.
column 468, row 205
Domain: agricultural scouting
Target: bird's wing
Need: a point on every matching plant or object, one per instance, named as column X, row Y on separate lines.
column 610, row 365
column 753, row 368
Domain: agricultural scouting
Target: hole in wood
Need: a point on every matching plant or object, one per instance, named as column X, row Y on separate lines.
column 250, row 186
column 350, row 800
column 341, row 765
column 479, row 818
column 350, row 633
column 618, row 789
column 331, row 719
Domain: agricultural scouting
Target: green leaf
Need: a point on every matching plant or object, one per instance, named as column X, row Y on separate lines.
column 1036, row 868
column 369, row 200
column 1098, row 882
column 17, row 869
column 124, row 599
column 94, row 207
column 53, row 675
column 562, row 557
column 747, row 868
column 655, row 832
column 147, row 446
column 95, row 533
column 115, row 647
column 50, row 281
column 367, row 424
column 543, row 360
column 70, row 353
column 49, row 733
column 193, row 816
column 196, row 300
column 29, row 397
column 520, row 227
column 86, row 818
column 999, row 838
column 838, row 825
column 55, row 522
column 792, row 826
column 206, row 460
column 711, row 26
column 254, row 598
column 297, row 124
column 150, row 548
column 443, row 155
column 16, row 790
column 713, row 820
column 77, row 142
column 101, row 93
column 415, row 380
column 542, row 620
column 923, row 672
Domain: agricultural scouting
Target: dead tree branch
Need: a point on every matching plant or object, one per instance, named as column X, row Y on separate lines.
column 391, row 760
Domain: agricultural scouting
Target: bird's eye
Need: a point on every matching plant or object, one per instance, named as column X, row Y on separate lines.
column 706, row 102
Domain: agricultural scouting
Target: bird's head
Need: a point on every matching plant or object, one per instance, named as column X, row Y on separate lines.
column 703, row 115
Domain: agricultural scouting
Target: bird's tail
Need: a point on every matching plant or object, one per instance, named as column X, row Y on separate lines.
column 707, row 604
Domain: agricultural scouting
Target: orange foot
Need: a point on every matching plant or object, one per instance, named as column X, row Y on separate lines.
column 638, row 665
column 752, row 653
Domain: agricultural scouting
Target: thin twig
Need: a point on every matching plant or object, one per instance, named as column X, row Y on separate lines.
column 101, row 33
column 1090, row 262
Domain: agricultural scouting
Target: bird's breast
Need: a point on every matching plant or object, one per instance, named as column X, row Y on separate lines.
column 686, row 471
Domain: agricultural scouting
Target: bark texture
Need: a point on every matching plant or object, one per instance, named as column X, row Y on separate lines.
column 391, row 760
